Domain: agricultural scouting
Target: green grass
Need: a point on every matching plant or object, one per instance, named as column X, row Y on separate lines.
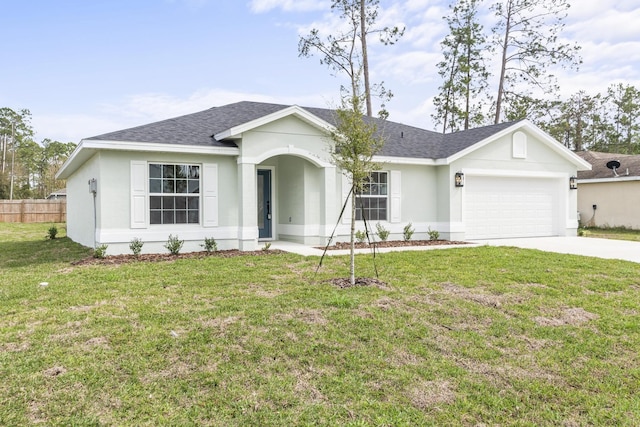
column 468, row 336
column 617, row 233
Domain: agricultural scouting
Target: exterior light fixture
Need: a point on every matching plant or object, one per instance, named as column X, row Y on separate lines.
column 459, row 179
column 573, row 183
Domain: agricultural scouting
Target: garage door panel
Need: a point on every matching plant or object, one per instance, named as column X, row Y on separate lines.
column 497, row 207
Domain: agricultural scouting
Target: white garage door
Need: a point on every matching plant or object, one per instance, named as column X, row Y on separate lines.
column 504, row 207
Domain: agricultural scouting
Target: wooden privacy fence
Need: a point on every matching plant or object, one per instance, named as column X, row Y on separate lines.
column 33, row 210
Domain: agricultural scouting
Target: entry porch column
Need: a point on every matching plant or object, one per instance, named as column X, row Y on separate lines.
column 247, row 211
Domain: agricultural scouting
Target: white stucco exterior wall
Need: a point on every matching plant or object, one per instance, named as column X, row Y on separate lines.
column 113, row 171
column 497, row 159
column 80, row 214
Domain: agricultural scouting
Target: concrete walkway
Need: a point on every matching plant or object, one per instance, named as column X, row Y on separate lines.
column 587, row 246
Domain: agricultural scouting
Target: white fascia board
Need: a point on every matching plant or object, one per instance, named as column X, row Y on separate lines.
column 577, row 161
column 237, row 131
column 612, row 179
column 88, row 147
column 408, row 161
column 159, row 147
column 513, row 173
column 75, row 160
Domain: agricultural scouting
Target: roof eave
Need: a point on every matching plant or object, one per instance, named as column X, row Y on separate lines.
column 88, row 147
column 605, row 180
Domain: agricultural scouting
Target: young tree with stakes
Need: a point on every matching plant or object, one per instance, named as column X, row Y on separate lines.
column 356, row 138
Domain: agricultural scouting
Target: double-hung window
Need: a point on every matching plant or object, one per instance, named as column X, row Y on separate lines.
column 372, row 203
column 174, row 193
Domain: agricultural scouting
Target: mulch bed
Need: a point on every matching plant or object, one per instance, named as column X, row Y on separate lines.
column 123, row 259
column 393, row 244
column 344, row 282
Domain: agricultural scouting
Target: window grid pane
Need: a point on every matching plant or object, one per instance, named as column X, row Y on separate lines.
column 371, row 203
column 174, row 194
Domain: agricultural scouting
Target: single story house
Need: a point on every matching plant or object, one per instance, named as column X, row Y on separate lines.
column 609, row 193
column 250, row 172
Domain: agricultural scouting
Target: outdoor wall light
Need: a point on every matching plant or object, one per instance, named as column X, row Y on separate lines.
column 573, row 183
column 459, row 179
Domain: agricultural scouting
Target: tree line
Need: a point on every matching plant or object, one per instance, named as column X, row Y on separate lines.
column 506, row 73
column 28, row 168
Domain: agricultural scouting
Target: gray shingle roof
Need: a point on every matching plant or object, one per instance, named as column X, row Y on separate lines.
column 600, row 170
column 199, row 128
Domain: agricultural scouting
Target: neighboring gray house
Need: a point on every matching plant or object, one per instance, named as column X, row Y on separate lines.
column 250, row 172
column 609, row 194
column 58, row 194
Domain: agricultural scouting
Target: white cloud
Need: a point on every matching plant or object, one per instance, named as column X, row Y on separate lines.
column 262, row 6
column 72, row 127
column 605, row 25
column 408, row 67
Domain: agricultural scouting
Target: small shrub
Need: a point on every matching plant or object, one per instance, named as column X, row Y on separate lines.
column 136, row 246
column 407, row 232
column 360, row 236
column 382, row 233
column 52, row 232
column 100, row 251
column 210, row 244
column 433, row 234
column 267, row 246
column 174, row 244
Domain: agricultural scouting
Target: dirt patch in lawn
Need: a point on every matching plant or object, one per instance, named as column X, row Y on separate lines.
column 344, row 282
column 569, row 316
column 392, row 244
column 475, row 295
column 123, row 259
column 309, row 316
column 429, row 394
column 54, row 371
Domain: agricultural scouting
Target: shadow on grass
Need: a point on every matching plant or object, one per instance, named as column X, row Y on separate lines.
column 31, row 252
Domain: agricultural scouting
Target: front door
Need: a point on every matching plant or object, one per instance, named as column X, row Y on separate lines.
column 265, row 205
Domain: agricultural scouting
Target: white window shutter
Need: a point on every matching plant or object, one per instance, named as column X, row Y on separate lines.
column 209, row 190
column 138, row 194
column 396, row 196
column 346, row 188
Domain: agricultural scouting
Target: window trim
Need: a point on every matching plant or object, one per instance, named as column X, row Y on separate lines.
column 150, row 194
column 386, row 197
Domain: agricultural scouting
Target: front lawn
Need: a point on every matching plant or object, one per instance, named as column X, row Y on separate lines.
column 466, row 336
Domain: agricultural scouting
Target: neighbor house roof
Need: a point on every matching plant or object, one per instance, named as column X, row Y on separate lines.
column 629, row 165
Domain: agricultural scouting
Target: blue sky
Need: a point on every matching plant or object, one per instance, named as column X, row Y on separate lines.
column 86, row 67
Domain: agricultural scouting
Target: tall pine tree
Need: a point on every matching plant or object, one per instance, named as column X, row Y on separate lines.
column 463, row 91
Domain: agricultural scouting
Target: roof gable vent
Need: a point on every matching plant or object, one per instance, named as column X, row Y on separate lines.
column 519, row 145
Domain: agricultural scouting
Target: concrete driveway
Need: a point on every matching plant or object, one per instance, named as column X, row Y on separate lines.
column 601, row 248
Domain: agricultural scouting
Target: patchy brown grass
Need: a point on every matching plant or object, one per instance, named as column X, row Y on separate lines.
column 568, row 316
